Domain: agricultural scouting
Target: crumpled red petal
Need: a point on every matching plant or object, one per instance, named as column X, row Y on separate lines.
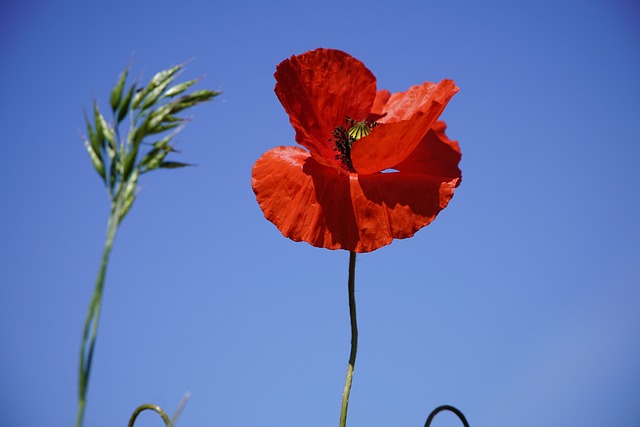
column 318, row 89
column 382, row 96
column 403, row 105
column 306, row 200
column 407, row 117
column 387, row 206
column 436, row 155
column 326, row 208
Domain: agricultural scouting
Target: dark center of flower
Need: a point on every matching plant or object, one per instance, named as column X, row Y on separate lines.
column 345, row 136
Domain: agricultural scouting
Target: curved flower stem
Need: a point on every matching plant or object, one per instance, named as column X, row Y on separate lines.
column 450, row 408
column 354, row 339
column 93, row 316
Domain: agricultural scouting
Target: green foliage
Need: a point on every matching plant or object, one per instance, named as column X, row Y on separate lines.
column 151, row 113
column 153, row 120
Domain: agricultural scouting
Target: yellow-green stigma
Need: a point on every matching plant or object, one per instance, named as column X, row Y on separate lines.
column 345, row 136
column 359, row 130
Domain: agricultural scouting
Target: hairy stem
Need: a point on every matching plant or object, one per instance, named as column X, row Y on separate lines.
column 354, row 339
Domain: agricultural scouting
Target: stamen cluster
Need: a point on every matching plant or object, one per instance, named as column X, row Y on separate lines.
column 345, row 136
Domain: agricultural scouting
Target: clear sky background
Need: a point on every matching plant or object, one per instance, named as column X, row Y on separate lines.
column 519, row 304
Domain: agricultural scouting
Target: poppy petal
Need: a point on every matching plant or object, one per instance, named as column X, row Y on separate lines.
column 316, row 204
column 392, row 141
column 403, row 105
column 382, row 96
column 304, row 199
column 318, row 90
column 395, row 205
column 436, row 155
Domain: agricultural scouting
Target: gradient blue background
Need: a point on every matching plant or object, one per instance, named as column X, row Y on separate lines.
column 519, row 304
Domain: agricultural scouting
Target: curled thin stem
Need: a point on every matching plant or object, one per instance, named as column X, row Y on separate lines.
column 354, row 339
column 449, row 408
column 168, row 422
column 150, row 407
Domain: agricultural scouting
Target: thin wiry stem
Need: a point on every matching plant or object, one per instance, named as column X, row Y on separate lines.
column 354, row 339
column 449, row 408
column 150, row 407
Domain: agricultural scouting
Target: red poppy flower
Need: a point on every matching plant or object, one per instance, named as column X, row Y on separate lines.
column 378, row 167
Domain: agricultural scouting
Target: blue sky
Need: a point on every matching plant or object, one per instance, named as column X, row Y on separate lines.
column 519, row 304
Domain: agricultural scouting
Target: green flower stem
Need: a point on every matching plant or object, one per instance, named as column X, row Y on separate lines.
column 354, row 339
column 93, row 316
